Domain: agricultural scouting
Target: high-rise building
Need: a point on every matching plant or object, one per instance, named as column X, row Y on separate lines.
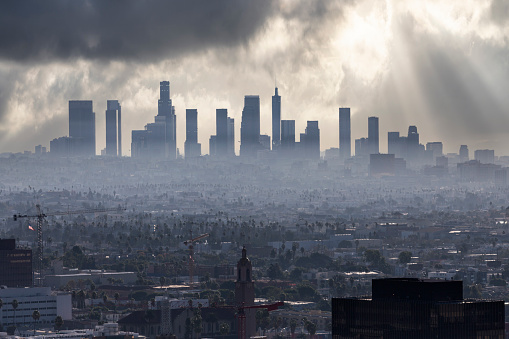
column 436, row 148
column 221, row 132
column 191, row 146
column 345, row 136
column 113, row 128
column 310, row 140
column 361, row 147
column 373, row 136
column 463, row 153
column 485, row 156
column 287, row 137
column 250, row 127
column 230, row 142
column 415, row 308
column 15, row 265
column 166, row 110
column 276, row 119
column 394, row 144
column 82, row 127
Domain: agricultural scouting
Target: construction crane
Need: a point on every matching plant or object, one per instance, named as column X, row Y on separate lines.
column 40, row 218
column 191, row 253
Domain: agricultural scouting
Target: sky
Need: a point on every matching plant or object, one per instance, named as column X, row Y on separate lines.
column 440, row 65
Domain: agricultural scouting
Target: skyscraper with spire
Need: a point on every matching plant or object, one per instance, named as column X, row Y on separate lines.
column 276, row 120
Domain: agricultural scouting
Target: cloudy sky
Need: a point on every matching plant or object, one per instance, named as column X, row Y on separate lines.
column 440, row 65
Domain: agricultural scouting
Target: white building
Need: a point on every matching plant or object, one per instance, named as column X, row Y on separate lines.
column 48, row 303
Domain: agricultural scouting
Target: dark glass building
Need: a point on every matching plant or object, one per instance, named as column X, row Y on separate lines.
column 418, row 309
column 15, row 265
column 373, row 136
column 345, row 136
column 221, row 132
column 250, row 127
column 113, row 128
column 82, row 127
column 276, row 119
column 191, row 146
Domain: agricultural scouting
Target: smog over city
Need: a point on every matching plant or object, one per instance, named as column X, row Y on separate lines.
column 241, row 168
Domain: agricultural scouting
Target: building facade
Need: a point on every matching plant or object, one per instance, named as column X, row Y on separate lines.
column 113, row 128
column 82, row 127
column 345, row 135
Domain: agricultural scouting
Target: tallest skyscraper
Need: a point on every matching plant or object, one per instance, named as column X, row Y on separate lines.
column 82, row 127
column 250, row 127
column 166, row 110
column 276, row 120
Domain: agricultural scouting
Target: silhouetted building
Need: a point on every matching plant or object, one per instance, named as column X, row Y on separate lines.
column 381, row 164
column 264, row 142
column 15, row 265
column 463, row 153
column 82, row 127
column 373, row 136
column 420, row 309
column 159, row 139
column 60, row 147
column 230, row 142
column 212, row 145
column 221, row 132
column 250, row 127
column 113, row 128
column 276, row 119
column 396, row 145
column 436, row 148
column 485, row 156
column 191, row 146
column 361, row 147
column 310, row 141
column 245, row 293
column 345, row 136
column 167, row 110
column 287, row 137
column 474, row 170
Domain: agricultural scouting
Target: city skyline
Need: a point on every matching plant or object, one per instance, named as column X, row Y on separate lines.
column 451, row 84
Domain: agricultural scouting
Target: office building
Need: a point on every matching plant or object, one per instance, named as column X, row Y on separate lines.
column 221, row 132
column 49, row 304
column 276, row 119
column 167, row 110
column 361, row 147
column 463, row 153
column 159, row 139
column 212, row 145
column 373, row 136
column 287, row 137
column 60, row 147
column 435, row 148
column 309, row 145
column 415, row 308
column 113, row 128
column 345, row 136
column 396, row 144
column 230, row 142
column 191, row 146
column 250, row 127
column 82, row 127
column 485, row 156
column 15, row 265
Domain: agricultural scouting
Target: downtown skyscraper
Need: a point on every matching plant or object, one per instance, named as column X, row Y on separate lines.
column 276, row 120
column 167, row 110
column 345, row 135
column 81, row 128
column 191, row 146
column 113, row 128
column 373, row 136
column 250, row 127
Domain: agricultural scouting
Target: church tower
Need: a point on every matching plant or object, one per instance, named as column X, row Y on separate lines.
column 244, row 291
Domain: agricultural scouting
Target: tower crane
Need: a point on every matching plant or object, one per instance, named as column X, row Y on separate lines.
column 40, row 218
column 190, row 245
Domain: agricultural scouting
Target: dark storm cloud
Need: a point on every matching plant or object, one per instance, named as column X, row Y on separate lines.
column 131, row 29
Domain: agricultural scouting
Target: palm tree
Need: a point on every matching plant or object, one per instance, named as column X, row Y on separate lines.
column 36, row 315
column 14, row 304
column 58, row 323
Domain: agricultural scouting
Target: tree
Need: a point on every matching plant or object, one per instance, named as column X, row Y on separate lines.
column 58, row 323
column 14, row 304
column 405, row 257
column 311, row 327
column 36, row 316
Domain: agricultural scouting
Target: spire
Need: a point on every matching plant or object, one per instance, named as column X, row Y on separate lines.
column 244, row 252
